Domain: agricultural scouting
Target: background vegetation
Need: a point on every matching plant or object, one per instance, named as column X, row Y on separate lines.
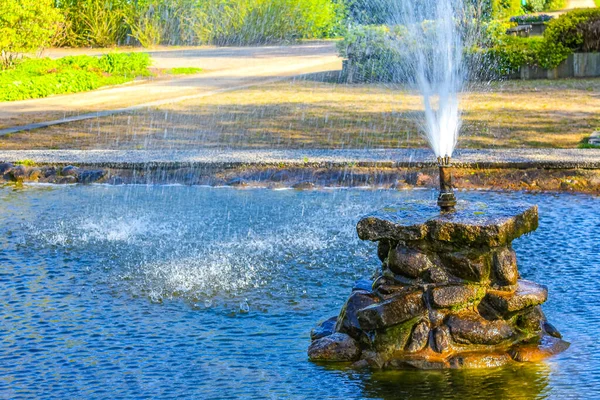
column 372, row 52
column 34, row 78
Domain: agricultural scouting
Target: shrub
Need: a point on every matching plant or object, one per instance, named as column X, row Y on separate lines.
column 576, row 30
column 554, row 5
column 264, row 21
column 506, row 8
column 370, row 53
column 535, row 5
column 34, row 78
column 96, row 23
column 26, row 25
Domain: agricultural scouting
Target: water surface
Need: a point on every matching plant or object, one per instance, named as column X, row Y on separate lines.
column 194, row 292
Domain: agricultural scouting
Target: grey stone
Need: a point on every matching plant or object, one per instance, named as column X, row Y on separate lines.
column 532, row 320
column 237, row 182
column 408, row 262
column 528, row 294
column 441, row 339
column 400, row 308
column 551, row 330
column 471, row 328
column 456, row 295
column 468, row 265
column 18, row 172
column 383, row 250
column 505, row 267
column 348, row 319
column 5, row 168
column 303, row 186
column 70, row 170
column 419, row 337
column 323, row 329
column 335, row 347
column 89, row 176
column 34, row 174
column 469, row 225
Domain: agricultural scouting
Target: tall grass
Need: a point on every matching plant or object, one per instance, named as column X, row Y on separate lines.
column 104, row 23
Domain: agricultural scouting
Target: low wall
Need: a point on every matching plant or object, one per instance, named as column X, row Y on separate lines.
column 578, row 65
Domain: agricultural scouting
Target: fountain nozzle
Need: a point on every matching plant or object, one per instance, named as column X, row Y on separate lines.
column 446, row 199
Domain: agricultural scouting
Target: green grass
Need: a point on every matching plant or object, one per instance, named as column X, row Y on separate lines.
column 42, row 77
column 26, row 163
column 184, row 71
column 588, row 146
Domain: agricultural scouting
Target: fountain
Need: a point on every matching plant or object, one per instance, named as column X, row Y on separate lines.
column 448, row 294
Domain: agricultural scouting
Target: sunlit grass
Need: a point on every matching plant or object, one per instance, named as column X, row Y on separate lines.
column 315, row 114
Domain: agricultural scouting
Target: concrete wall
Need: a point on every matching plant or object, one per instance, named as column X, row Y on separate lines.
column 578, row 65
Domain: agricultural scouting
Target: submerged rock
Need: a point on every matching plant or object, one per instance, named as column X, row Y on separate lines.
column 323, row 329
column 335, row 347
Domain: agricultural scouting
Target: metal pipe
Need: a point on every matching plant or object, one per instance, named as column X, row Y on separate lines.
column 446, row 199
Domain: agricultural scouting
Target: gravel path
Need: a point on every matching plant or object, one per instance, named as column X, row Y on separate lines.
column 226, row 69
column 505, row 158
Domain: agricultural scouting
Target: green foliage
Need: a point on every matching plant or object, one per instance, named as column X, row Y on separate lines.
column 105, row 23
column 555, row 5
column 577, row 30
column 184, row 71
column 97, row 23
column 34, row 78
column 506, row 8
column 26, row 25
column 264, row 21
column 370, row 53
column 535, row 5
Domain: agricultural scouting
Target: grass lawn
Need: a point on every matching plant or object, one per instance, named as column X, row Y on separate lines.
column 41, row 77
column 316, row 114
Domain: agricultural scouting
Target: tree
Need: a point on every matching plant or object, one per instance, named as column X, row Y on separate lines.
column 25, row 26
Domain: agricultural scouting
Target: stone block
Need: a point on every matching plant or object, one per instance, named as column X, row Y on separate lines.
column 400, row 308
column 469, row 225
column 528, row 294
column 347, row 321
column 456, row 296
column 408, row 262
column 419, row 337
column 468, row 265
column 504, row 267
column 335, row 347
column 471, row 328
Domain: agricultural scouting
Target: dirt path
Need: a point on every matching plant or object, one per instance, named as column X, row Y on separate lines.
column 226, row 69
column 571, row 4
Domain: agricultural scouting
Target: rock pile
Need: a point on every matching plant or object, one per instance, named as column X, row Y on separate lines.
column 449, row 294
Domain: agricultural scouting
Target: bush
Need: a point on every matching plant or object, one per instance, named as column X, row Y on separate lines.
column 26, row 25
column 577, row 30
column 96, row 23
column 34, row 78
column 243, row 22
column 370, row 53
column 554, row 5
column 506, row 8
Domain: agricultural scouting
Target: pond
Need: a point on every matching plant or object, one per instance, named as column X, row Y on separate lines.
column 198, row 292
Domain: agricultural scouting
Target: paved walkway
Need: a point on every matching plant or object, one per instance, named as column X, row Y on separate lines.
column 228, row 69
column 501, row 158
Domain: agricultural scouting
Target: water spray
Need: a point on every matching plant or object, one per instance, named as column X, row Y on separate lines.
column 446, row 199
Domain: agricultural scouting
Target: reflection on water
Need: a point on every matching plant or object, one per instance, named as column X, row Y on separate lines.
column 160, row 291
